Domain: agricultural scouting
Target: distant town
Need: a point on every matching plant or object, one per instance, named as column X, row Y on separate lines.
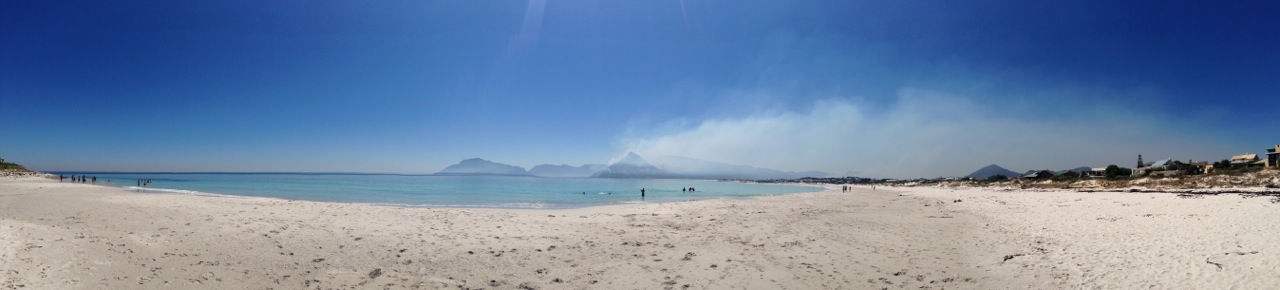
column 1118, row 176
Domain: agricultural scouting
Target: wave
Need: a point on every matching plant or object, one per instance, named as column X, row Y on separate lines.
column 193, row 192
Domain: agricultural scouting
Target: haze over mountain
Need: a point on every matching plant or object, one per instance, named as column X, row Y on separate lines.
column 633, row 166
column 565, row 170
column 477, row 166
column 717, row 170
column 992, row 170
column 630, row 165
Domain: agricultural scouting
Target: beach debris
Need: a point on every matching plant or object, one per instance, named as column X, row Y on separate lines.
column 317, row 260
column 375, row 273
column 1206, row 260
column 1010, row 257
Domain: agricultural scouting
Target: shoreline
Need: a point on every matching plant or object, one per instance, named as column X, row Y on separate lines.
column 162, row 190
column 55, row 235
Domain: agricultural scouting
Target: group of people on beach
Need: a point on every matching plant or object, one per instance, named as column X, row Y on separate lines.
column 143, row 182
column 848, row 188
column 80, row 179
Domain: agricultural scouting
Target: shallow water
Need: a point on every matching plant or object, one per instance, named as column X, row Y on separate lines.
column 444, row 191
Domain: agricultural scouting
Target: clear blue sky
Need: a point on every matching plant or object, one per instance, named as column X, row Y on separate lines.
column 874, row 88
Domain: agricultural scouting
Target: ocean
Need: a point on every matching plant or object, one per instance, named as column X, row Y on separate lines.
column 441, row 191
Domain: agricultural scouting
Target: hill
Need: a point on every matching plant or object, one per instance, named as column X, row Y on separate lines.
column 991, row 170
column 9, row 166
column 477, row 166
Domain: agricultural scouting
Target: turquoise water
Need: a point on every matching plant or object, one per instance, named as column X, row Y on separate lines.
column 443, row 191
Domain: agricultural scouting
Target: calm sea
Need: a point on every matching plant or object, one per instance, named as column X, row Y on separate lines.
column 443, row 191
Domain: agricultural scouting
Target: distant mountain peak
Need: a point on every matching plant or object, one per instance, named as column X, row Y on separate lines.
column 992, row 170
column 632, row 166
column 632, row 159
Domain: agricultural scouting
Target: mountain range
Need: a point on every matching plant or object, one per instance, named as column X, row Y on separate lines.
column 477, row 166
column 993, row 170
column 565, row 170
column 629, row 166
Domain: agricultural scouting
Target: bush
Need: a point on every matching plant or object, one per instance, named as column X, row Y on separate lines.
column 1114, row 171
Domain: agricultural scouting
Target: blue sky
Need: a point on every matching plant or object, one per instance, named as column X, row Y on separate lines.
column 870, row 88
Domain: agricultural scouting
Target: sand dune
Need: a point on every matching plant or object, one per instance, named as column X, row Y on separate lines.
column 59, row 236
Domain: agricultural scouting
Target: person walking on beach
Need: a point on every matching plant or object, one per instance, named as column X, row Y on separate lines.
column 95, row 179
column 641, row 193
column 59, row 177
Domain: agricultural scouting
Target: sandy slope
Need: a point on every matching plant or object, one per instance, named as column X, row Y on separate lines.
column 1111, row 240
column 77, row 236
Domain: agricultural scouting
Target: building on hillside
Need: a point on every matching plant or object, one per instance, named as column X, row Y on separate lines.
column 1036, row 175
column 1167, row 173
column 1202, row 166
column 1273, row 157
column 1152, row 167
column 1097, row 172
column 1244, row 158
column 1161, row 165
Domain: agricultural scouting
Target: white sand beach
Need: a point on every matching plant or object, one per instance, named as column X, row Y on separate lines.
column 72, row 236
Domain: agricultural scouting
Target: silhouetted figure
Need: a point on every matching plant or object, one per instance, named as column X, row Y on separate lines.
column 95, row 179
column 642, row 194
column 60, row 177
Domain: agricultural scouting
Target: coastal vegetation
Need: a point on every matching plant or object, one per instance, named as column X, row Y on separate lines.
column 1115, row 178
column 11, row 167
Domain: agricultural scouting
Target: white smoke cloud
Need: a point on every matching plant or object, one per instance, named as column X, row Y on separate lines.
column 929, row 134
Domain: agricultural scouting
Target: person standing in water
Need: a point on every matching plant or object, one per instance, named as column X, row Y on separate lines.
column 641, row 193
